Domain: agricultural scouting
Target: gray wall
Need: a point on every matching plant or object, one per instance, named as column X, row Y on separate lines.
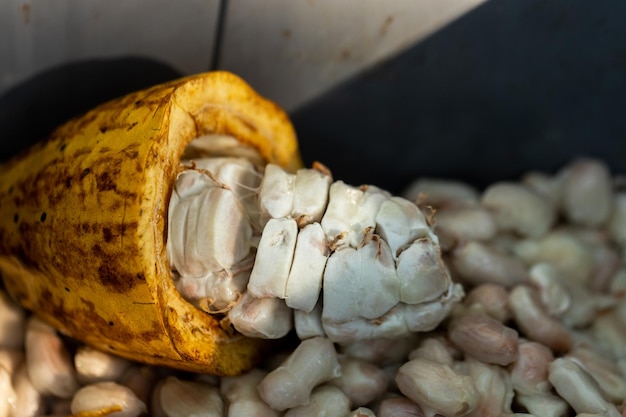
column 481, row 90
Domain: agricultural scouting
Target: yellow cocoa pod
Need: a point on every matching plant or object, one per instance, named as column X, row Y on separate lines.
column 83, row 219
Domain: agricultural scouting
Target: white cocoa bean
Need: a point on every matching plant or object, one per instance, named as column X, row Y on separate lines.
column 208, row 228
column 548, row 187
column 492, row 299
column 273, row 259
column 265, row 318
column 519, row 209
column 107, row 397
column 587, row 192
column 216, row 291
column 477, row 263
column 399, row 222
column 434, row 349
column 361, row 381
column 180, row 398
column 578, row 388
column 276, row 193
column 400, row 320
column 238, row 175
column 571, row 301
column 554, row 296
column 484, row 338
column 609, row 379
column 544, row 405
column 304, row 282
column 28, row 401
column 220, row 238
column 48, row 362
column 423, row 274
column 93, row 365
column 561, row 249
column 534, row 322
column 360, row 283
column 493, row 386
column 243, row 397
column 399, row 406
column 427, row 316
column 439, row 193
column 309, row 324
column 326, row 400
column 310, row 195
column 351, row 212
column 609, row 331
column 529, row 373
column 464, row 224
column 390, row 325
column 437, row 388
column 290, row 385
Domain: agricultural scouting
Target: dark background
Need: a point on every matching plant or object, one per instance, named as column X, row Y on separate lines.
column 511, row 86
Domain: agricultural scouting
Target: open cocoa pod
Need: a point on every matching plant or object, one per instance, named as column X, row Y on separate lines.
column 83, row 218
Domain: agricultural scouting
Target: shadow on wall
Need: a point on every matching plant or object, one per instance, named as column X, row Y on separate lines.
column 509, row 87
column 32, row 109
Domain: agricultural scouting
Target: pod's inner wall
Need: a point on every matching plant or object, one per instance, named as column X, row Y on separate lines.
column 221, row 146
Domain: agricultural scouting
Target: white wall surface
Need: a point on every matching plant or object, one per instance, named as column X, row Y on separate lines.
column 295, row 50
column 36, row 35
column 289, row 50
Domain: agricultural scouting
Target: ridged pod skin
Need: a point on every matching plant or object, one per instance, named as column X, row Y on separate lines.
column 83, row 218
